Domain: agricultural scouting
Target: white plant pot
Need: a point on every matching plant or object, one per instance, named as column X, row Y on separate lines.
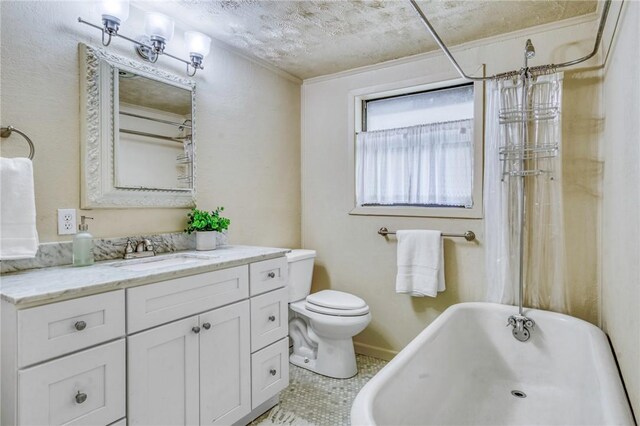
column 206, row 240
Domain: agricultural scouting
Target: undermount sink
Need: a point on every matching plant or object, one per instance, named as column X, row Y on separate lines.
column 160, row 262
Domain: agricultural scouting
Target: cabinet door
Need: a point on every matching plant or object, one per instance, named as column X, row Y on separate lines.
column 225, row 365
column 163, row 375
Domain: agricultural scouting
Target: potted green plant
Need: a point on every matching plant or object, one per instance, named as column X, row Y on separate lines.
column 205, row 224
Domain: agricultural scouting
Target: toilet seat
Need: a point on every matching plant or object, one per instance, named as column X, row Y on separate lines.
column 337, row 312
column 336, row 303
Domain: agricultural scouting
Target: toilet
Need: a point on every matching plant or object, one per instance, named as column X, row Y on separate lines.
column 322, row 324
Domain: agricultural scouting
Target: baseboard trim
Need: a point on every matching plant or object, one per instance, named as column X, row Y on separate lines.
column 374, row 351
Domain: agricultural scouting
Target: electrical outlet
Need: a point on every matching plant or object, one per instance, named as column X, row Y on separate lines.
column 66, row 221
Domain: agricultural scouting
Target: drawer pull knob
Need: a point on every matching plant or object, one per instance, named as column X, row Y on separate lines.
column 271, row 274
column 272, row 318
column 196, row 329
column 273, row 371
column 81, row 397
column 206, row 326
column 80, row 325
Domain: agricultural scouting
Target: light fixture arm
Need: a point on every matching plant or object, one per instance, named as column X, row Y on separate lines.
column 136, row 42
column 195, row 63
column 108, row 42
column 189, row 73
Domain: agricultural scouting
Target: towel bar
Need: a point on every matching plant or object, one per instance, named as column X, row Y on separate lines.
column 468, row 235
column 5, row 132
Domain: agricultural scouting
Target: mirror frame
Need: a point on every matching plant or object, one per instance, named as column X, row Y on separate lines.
column 98, row 71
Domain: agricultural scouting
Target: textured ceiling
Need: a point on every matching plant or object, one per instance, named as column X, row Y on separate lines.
column 312, row 38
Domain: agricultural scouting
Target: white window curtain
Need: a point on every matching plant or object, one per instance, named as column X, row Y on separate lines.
column 427, row 165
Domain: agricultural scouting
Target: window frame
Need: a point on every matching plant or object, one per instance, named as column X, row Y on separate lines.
column 357, row 99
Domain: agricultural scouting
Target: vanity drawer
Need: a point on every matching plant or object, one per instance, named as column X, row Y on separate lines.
column 162, row 302
column 268, row 275
column 86, row 388
column 269, row 318
column 269, row 371
column 52, row 330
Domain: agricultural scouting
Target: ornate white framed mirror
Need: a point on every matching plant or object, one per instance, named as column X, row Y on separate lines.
column 138, row 134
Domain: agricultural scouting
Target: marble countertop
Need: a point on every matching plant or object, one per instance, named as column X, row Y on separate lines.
column 47, row 285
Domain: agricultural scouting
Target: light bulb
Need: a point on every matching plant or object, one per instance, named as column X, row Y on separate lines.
column 114, row 10
column 197, row 43
column 159, row 27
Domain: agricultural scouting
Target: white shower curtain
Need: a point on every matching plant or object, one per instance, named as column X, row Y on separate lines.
column 544, row 253
column 501, row 267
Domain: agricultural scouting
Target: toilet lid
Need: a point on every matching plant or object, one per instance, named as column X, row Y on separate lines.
column 332, row 302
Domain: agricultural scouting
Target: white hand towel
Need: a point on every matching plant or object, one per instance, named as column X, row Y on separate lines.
column 18, row 234
column 420, row 263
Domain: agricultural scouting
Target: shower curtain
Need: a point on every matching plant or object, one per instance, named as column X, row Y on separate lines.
column 544, row 248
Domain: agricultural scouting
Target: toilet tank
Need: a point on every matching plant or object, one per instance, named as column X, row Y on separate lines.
column 300, row 273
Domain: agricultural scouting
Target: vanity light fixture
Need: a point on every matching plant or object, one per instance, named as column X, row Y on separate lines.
column 114, row 12
column 159, row 31
column 198, row 45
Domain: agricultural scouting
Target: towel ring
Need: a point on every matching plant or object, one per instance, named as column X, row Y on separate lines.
column 5, row 132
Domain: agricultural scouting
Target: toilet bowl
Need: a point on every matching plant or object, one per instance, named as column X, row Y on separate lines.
column 322, row 324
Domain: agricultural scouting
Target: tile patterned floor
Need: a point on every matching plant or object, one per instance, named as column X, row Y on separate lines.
column 320, row 400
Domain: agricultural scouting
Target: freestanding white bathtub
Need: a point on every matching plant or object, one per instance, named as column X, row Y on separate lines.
column 462, row 369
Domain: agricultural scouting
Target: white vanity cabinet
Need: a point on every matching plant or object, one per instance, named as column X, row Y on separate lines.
column 206, row 348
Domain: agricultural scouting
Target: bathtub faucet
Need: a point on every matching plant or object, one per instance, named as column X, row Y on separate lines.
column 522, row 327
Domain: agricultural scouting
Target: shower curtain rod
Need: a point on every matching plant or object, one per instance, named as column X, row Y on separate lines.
column 447, row 52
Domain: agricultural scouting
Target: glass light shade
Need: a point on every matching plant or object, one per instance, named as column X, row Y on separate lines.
column 197, row 43
column 118, row 9
column 159, row 25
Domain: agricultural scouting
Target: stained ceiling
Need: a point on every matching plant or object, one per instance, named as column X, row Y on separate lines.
column 312, row 38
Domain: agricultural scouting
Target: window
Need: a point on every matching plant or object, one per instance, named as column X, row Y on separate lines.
column 417, row 149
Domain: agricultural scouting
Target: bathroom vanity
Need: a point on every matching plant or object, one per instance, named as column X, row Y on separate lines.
column 184, row 338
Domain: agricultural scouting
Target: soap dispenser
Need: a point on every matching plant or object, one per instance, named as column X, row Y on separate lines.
column 83, row 245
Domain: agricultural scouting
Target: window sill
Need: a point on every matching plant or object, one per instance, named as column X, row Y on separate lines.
column 452, row 213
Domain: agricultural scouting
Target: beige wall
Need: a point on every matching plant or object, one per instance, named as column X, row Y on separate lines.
column 247, row 118
column 621, row 222
column 353, row 258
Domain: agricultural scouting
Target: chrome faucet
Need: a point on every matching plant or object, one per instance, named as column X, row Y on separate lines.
column 143, row 248
column 522, row 326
